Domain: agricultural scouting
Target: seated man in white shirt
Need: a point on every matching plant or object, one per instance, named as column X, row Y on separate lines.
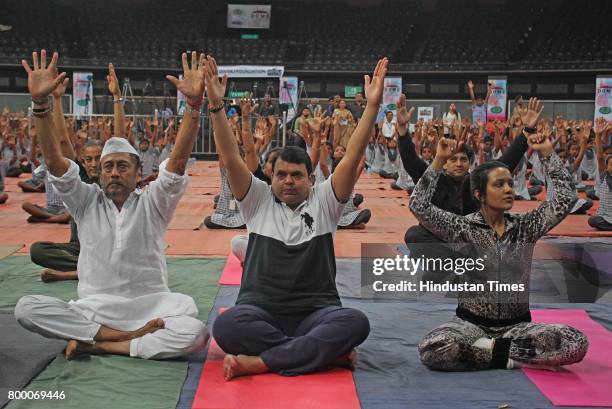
column 124, row 305
column 387, row 126
column 289, row 318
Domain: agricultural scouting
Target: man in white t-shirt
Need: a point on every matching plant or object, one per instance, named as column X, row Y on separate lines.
column 288, row 318
column 387, row 127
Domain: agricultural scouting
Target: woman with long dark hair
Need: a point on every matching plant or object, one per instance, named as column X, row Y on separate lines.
column 493, row 328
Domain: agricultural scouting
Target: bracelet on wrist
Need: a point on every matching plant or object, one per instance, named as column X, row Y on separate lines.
column 217, row 108
column 193, row 112
column 41, row 101
column 118, row 101
column 41, row 112
column 529, row 130
column 193, row 105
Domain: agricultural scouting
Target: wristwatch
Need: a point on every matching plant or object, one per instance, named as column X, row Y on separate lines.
column 529, row 130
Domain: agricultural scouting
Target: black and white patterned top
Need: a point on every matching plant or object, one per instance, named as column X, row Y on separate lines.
column 227, row 213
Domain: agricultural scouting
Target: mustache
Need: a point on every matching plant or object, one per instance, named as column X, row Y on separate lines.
column 114, row 181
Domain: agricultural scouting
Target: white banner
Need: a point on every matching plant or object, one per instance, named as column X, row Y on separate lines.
column 496, row 106
column 252, row 71
column 248, row 16
column 603, row 98
column 391, row 94
column 82, row 94
column 425, row 113
column 288, row 95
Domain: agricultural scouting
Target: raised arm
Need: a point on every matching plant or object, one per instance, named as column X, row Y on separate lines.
column 602, row 127
column 583, row 139
column 118, row 112
column 486, row 100
column 412, row 162
column 549, row 213
column 237, row 171
column 497, row 139
column 471, row 89
column 343, row 178
column 246, row 107
column 59, row 123
column 323, row 163
column 129, row 132
column 315, row 132
column 192, row 86
column 155, row 134
column 42, row 80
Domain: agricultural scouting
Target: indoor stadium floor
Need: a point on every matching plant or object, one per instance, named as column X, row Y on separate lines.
column 389, row 374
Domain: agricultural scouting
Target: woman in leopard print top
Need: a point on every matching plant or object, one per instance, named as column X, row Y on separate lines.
column 492, row 329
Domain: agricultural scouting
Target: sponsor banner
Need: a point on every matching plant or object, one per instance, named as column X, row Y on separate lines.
column 351, row 90
column 252, row 71
column 603, row 98
column 248, row 16
column 239, row 94
column 425, row 113
column 391, row 94
column 82, row 94
column 496, row 107
column 288, row 95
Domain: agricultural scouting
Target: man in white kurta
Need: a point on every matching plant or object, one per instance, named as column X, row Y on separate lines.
column 124, row 305
column 123, row 279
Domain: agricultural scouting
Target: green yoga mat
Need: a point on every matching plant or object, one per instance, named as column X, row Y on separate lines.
column 103, row 382
column 191, row 276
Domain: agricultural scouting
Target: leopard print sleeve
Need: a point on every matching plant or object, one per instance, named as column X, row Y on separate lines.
column 446, row 225
column 550, row 213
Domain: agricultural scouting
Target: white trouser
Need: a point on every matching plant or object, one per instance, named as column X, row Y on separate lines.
column 54, row 318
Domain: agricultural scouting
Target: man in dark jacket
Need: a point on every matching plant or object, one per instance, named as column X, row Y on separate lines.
column 453, row 188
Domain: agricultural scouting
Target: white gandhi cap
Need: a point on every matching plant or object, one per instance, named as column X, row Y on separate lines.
column 117, row 145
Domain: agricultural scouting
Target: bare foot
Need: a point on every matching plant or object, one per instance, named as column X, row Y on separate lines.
column 148, row 328
column 48, row 275
column 240, row 365
column 75, row 348
column 348, row 361
column 71, row 349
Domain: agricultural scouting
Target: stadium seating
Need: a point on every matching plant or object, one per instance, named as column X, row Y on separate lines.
column 416, row 34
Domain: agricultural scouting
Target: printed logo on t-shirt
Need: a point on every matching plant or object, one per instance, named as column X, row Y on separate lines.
column 308, row 221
